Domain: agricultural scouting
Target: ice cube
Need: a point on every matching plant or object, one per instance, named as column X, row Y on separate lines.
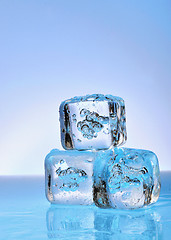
column 126, row 178
column 69, row 177
column 93, row 122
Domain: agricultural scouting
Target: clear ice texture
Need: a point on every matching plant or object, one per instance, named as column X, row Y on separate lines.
column 69, row 177
column 93, row 122
column 126, row 178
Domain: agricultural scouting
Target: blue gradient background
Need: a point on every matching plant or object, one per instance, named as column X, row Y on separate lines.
column 54, row 50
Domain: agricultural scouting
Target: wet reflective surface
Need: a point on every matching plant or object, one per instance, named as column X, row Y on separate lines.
column 26, row 214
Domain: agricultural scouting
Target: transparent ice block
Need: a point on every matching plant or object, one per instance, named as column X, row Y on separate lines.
column 126, row 178
column 69, row 177
column 92, row 122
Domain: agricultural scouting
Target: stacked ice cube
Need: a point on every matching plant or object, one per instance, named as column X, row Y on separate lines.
column 92, row 168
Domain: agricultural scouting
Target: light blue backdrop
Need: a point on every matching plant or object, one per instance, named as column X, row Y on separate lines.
column 54, row 50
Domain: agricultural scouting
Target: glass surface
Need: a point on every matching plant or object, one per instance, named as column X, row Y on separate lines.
column 26, row 214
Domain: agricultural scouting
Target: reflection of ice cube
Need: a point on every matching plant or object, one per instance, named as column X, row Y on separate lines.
column 126, row 178
column 69, row 177
column 89, row 222
column 92, row 122
column 70, row 221
column 121, row 225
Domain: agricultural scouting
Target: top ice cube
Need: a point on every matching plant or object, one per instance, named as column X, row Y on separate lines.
column 92, row 122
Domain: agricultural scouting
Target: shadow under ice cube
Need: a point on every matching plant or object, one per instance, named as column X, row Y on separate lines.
column 126, row 178
column 92, row 122
column 69, row 177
